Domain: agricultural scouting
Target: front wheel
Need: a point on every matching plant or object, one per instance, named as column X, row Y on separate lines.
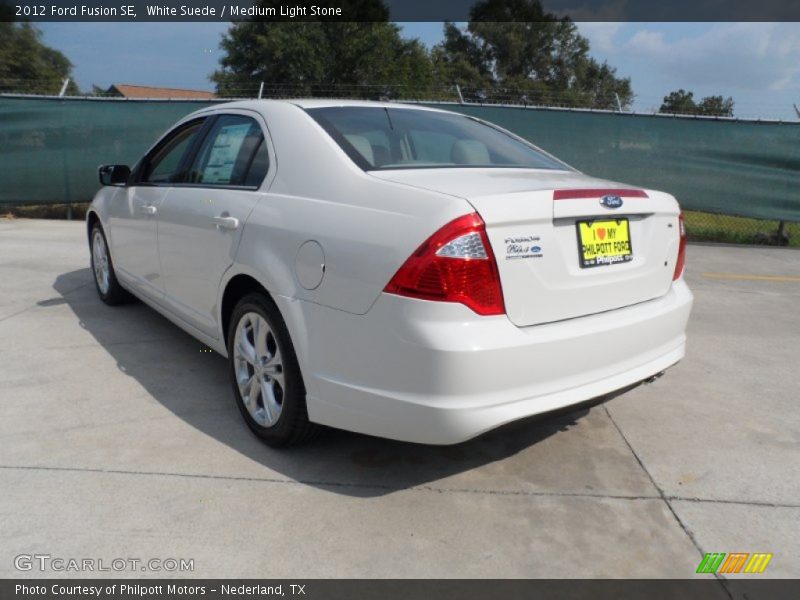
column 105, row 280
column 267, row 382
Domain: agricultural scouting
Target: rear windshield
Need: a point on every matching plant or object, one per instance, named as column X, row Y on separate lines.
column 378, row 138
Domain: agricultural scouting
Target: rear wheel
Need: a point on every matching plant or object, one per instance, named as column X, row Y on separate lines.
column 267, row 382
column 105, row 280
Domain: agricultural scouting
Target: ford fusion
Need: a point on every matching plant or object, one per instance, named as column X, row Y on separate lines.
column 393, row 270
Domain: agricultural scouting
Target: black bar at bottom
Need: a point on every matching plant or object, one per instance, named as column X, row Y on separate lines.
column 398, row 589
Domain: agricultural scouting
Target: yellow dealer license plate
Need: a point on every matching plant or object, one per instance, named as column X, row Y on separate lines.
column 604, row 242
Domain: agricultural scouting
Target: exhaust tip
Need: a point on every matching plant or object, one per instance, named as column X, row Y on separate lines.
column 652, row 378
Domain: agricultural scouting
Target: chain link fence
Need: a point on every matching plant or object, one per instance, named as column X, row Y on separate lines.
column 729, row 229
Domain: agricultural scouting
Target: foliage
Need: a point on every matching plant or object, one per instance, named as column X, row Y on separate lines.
column 28, row 65
column 535, row 59
column 681, row 102
column 314, row 58
column 459, row 61
column 321, row 57
column 716, row 106
column 516, row 48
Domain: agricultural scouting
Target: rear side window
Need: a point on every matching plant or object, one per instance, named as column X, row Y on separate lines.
column 379, row 138
column 234, row 153
column 163, row 166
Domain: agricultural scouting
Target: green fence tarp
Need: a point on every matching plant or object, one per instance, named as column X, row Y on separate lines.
column 50, row 150
column 744, row 168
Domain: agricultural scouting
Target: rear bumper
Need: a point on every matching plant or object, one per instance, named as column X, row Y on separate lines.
column 436, row 373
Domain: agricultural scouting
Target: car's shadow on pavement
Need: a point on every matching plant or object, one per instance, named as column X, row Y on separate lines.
column 193, row 384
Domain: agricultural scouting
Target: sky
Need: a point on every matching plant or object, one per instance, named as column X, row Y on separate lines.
column 758, row 64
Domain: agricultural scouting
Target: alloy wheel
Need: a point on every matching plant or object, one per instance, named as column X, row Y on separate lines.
column 100, row 262
column 258, row 369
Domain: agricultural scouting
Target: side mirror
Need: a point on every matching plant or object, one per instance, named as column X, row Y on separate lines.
column 114, row 174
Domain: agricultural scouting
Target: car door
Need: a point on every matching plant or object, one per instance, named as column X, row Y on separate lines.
column 133, row 214
column 200, row 222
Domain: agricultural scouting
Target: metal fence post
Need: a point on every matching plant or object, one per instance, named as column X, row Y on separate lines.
column 460, row 97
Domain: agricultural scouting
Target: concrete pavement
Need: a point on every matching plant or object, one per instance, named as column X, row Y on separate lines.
column 119, row 438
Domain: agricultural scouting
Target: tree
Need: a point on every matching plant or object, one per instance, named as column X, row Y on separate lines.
column 516, row 50
column 457, row 60
column 716, row 106
column 364, row 59
column 28, row 65
column 682, row 102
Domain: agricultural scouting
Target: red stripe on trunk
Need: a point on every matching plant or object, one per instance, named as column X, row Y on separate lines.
column 597, row 193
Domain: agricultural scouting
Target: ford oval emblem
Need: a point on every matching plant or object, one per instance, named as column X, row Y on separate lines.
column 611, row 201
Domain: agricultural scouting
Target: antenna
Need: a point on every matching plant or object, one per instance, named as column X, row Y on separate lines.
column 797, row 110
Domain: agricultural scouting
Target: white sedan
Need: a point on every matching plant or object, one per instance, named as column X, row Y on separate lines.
column 393, row 270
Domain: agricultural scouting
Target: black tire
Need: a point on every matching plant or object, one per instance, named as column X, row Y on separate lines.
column 292, row 425
column 115, row 294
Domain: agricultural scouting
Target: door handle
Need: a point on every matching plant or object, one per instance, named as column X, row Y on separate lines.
column 224, row 222
column 149, row 209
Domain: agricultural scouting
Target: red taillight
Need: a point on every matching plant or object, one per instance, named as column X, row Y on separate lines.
column 681, row 262
column 455, row 264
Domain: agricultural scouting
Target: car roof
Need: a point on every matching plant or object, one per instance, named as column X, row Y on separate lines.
column 318, row 103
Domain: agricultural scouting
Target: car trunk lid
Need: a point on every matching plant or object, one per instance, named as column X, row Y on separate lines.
column 532, row 223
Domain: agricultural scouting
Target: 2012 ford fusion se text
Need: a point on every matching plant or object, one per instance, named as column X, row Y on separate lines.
column 390, row 269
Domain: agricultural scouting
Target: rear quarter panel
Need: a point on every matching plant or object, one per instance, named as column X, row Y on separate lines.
column 366, row 227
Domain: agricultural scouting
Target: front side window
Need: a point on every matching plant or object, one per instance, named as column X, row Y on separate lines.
column 234, row 153
column 379, row 138
column 163, row 166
